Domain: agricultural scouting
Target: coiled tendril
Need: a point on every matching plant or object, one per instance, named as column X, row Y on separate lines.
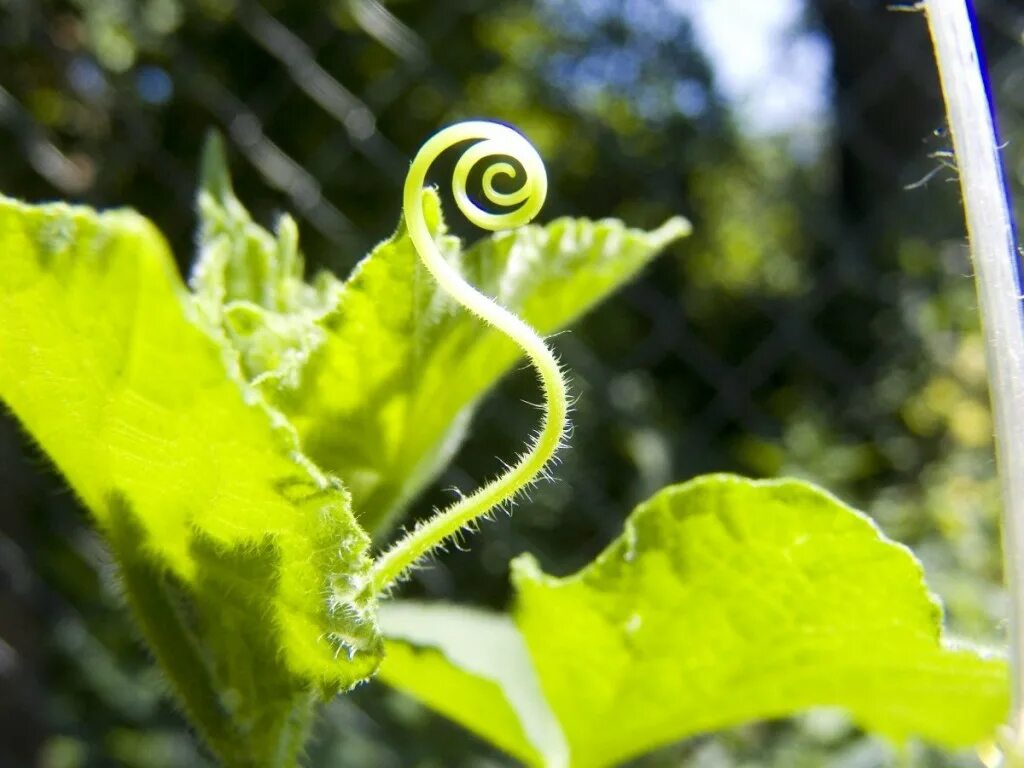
column 492, row 139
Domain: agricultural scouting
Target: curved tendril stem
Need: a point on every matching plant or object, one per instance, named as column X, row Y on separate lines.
column 492, row 139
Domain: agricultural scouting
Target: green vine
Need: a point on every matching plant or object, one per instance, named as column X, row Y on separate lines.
column 492, row 140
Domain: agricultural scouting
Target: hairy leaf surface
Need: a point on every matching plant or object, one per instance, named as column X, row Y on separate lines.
column 723, row 602
column 104, row 363
column 380, row 374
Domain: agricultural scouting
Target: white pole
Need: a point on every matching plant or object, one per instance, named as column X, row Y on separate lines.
column 996, row 268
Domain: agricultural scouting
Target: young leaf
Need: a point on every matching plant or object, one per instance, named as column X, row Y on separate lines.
column 248, row 284
column 380, row 375
column 723, row 602
column 105, row 365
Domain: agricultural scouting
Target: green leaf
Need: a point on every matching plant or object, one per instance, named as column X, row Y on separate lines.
column 105, row 364
column 460, row 660
column 364, row 369
column 724, row 601
column 380, row 405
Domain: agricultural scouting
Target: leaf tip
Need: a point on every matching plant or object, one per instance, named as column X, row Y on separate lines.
column 674, row 229
column 214, row 178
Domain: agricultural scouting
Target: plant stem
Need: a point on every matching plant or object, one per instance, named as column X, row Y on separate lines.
column 997, row 270
column 492, row 140
column 170, row 640
column 237, row 741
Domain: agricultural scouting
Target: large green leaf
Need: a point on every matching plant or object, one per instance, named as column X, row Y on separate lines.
column 724, row 601
column 177, row 458
column 380, row 375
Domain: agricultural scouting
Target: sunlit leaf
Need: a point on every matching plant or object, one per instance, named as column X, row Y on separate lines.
column 106, row 366
column 724, row 601
column 380, row 374
column 458, row 660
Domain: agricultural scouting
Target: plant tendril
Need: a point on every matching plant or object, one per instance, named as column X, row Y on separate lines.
column 492, row 139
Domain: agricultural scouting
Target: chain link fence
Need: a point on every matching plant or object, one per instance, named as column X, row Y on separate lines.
column 820, row 322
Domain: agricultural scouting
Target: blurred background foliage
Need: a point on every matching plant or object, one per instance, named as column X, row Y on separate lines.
column 821, row 322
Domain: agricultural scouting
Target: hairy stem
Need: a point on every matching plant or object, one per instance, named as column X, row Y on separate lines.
column 997, row 269
column 275, row 739
column 173, row 645
column 492, row 140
